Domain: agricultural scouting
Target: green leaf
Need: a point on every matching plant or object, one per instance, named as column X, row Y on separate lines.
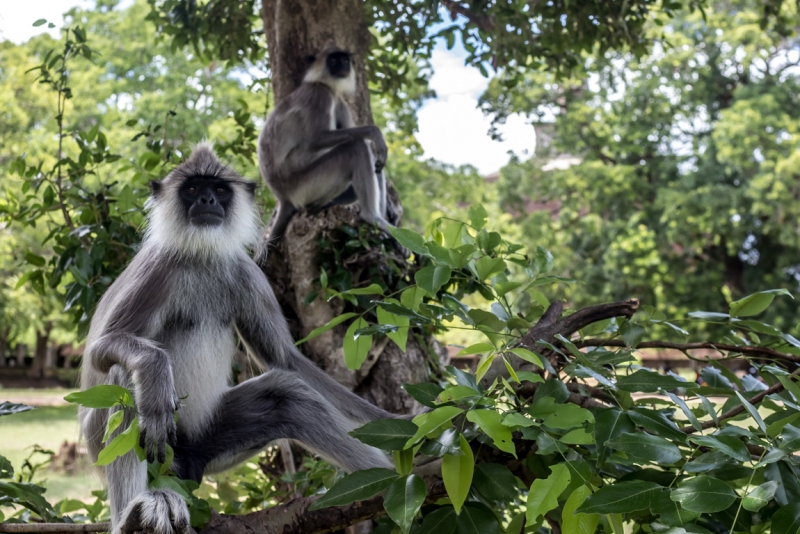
column 477, row 216
column 670, row 512
column 102, row 396
column 356, row 349
column 578, row 523
column 440, row 521
column 786, row 520
column 120, row 445
column 477, row 348
column 39, row 22
column 372, row 289
column 424, row 393
column 476, row 518
column 610, row 424
column 543, row 494
column 567, row 416
column 650, row 382
column 356, row 487
column 632, row 333
column 431, row 421
column 708, row 462
column 432, row 278
column 755, row 303
column 8, row 408
column 400, row 337
column 752, row 411
column 403, row 500
column 646, row 447
column 759, row 496
column 657, row 423
column 386, row 434
column 486, row 267
column 528, row 356
column 409, row 239
column 447, row 443
column 621, row 498
column 495, row 482
column 113, row 422
column 457, row 474
column 730, row 445
column 170, row 483
column 491, row 423
column 6, row 469
column 788, row 486
column 412, row 297
column 791, row 439
column 703, row 494
column 336, row 321
column 686, row 411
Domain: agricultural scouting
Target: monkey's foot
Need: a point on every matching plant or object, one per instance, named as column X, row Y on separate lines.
column 157, row 511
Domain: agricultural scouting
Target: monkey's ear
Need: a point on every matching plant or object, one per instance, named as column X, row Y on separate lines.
column 251, row 188
column 310, row 60
column 155, row 187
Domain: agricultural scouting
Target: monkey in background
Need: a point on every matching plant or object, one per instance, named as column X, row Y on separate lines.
column 168, row 328
column 311, row 154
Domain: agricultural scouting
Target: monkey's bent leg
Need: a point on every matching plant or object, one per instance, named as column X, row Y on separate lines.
column 133, row 508
column 284, row 214
column 276, row 405
column 350, row 163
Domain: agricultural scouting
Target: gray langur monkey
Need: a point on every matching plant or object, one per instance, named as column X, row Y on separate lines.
column 310, row 153
column 168, row 328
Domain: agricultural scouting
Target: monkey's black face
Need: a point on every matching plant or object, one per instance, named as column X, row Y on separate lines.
column 338, row 64
column 206, row 200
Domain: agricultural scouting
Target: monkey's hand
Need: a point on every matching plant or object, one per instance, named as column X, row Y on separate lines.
column 380, row 150
column 157, row 420
column 157, row 511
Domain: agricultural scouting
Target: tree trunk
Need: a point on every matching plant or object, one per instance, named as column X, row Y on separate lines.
column 4, row 345
column 296, row 29
column 40, row 353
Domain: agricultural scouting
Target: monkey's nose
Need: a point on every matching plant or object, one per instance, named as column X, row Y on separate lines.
column 208, row 200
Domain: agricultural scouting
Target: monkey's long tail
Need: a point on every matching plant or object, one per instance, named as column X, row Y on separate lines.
column 348, row 403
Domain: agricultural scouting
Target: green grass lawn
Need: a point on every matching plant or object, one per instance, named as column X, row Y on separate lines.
column 47, row 427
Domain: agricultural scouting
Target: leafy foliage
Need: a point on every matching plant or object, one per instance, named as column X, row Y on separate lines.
column 635, row 447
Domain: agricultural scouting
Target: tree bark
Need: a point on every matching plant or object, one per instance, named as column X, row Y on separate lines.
column 296, row 29
column 4, row 345
column 40, row 353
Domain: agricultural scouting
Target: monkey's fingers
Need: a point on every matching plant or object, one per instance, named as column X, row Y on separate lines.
column 162, row 451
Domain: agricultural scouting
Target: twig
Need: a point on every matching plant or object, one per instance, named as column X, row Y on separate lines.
column 733, row 412
column 55, row 527
column 720, row 347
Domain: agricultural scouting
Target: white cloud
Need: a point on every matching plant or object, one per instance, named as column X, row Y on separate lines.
column 17, row 18
column 451, row 127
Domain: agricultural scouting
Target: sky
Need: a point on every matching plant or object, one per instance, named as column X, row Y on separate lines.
column 451, row 127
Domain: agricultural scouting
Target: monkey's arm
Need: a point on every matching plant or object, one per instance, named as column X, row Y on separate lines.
column 266, row 334
column 151, row 373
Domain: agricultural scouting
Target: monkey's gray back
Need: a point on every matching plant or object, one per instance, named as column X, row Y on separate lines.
column 283, row 145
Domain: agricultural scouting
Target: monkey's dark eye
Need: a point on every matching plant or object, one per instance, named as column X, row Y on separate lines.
column 191, row 190
column 219, row 190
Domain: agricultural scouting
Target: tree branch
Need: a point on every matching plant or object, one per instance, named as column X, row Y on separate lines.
column 720, row 347
column 483, row 22
column 733, row 412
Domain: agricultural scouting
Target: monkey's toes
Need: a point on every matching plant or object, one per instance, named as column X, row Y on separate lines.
column 157, row 511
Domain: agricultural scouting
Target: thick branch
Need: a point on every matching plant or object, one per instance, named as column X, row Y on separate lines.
column 721, row 347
